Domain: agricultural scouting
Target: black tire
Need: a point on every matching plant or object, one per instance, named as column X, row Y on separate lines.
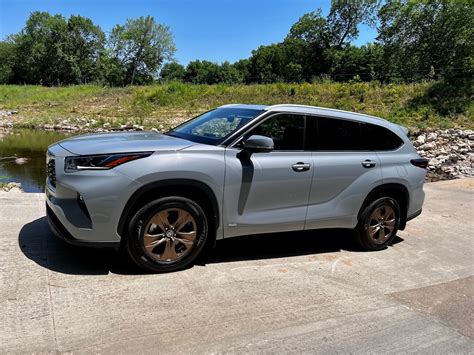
column 374, row 233
column 149, row 259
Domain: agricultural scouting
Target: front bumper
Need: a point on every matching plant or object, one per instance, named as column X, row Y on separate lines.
column 84, row 208
column 61, row 232
column 414, row 215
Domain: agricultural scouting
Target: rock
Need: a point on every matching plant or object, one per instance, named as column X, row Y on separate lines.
column 12, row 187
column 6, row 113
column 448, row 151
column 21, row 161
column 421, row 139
column 454, row 158
column 433, row 162
column 431, row 137
column 154, row 130
column 442, row 158
column 427, row 146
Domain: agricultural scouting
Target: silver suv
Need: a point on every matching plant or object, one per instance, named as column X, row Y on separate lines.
column 235, row 170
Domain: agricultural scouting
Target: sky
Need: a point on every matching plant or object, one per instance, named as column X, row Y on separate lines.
column 215, row 30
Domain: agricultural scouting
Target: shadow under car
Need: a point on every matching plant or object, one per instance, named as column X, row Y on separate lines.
column 39, row 244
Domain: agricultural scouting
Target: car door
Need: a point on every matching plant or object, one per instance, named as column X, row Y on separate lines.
column 344, row 172
column 268, row 191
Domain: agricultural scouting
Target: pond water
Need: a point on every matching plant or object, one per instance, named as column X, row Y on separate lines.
column 31, row 145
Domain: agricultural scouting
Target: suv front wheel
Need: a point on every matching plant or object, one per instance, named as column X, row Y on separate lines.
column 378, row 224
column 167, row 234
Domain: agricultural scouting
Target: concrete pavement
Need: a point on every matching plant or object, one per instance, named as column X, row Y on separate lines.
column 297, row 292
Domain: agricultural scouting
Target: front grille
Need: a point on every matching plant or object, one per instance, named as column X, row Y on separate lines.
column 51, row 171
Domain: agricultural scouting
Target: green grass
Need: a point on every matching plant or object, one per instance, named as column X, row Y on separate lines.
column 419, row 105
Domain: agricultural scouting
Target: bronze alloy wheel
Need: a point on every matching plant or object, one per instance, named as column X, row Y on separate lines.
column 170, row 235
column 382, row 223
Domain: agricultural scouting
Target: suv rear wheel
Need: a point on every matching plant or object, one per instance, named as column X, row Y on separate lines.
column 167, row 234
column 378, row 224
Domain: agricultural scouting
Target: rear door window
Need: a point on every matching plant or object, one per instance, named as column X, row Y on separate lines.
column 337, row 134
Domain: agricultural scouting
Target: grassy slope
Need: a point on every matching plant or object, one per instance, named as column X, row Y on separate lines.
column 421, row 105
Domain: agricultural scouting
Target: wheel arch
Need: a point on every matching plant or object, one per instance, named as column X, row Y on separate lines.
column 397, row 191
column 189, row 188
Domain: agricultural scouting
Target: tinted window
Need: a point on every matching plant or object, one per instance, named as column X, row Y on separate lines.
column 379, row 138
column 287, row 131
column 335, row 134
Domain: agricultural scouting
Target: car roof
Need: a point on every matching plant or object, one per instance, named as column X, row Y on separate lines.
column 306, row 109
column 327, row 112
column 321, row 111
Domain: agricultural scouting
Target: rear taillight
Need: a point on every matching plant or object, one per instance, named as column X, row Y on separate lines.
column 420, row 163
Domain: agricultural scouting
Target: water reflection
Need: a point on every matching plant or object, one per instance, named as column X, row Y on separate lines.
column 30, row 144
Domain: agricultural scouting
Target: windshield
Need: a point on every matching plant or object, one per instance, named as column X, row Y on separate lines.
column 214, row 126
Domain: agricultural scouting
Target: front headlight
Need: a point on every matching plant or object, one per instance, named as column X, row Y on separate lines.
column 101, row 162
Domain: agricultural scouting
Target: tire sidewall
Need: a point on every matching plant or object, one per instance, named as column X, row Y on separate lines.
column 365, row 240
column 135, row 245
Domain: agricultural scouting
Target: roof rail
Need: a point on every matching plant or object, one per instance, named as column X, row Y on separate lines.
column 294, row 105
column 275, row 107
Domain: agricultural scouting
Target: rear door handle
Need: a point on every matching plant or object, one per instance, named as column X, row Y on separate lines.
column 300, row 166
column 368, row 163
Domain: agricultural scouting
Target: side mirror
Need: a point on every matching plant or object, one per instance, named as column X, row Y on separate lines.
column 258, row 144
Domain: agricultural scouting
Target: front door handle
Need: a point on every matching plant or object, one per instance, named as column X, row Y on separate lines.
column 300, row 166
column 368, row 163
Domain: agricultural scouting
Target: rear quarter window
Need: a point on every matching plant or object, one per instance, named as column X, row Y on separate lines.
column 379, row 138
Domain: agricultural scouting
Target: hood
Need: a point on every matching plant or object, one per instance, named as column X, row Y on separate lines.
column 122, row 142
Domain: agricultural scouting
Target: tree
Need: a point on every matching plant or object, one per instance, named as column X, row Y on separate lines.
column 311, row 28
column 141, row 46
column 40, row 50
column 85, row 49
column 427, row 39
column 344, row 18
column 286, row 61
column 7, row 61
column 172, row 71
column 364, row 62
column 309, row 34
column 229, row 74
column 242, row 67
column 53, row 51
column 201, row 72
column 267, row 63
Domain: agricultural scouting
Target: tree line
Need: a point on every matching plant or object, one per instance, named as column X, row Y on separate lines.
column 416, row 40
column 51, row 50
